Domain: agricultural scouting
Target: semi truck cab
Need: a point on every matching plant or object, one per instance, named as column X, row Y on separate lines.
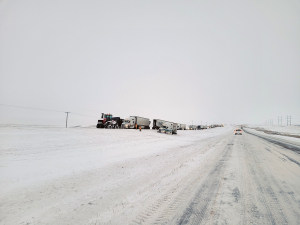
column 128, row 123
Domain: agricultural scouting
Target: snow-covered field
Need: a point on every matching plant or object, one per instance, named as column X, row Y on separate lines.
column 95, row 176
column 279, row 137
column 86, row 175
column 281, row 129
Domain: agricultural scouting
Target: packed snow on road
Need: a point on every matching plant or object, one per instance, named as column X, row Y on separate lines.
column 53, row 175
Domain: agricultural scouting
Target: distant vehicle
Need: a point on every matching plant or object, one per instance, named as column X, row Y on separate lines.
column 181, row 127
column 200, row 127
column 168, row 128
column 136, row 122
column 238, row 132
column 118, row 120
column 193, row 127
column 103, row 122
column 107, row 121
column 157, row 123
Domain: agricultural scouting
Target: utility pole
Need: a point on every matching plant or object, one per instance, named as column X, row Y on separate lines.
column 67, row 119
column 289, row 120
column 280, row 120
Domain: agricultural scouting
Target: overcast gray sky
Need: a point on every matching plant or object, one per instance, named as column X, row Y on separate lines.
column 210, row 61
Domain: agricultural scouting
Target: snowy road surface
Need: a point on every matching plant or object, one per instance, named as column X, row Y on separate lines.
column 95, row 176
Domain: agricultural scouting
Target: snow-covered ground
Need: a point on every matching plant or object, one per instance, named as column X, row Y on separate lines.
column 281, row 129
column 282, row 138
column 88, row 175
column 53, row 175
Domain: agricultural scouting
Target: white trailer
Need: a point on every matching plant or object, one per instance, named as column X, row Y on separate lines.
column 168, row 128
column 136, row 122
column 192, row 127
column 157, row 123
column 182, row 127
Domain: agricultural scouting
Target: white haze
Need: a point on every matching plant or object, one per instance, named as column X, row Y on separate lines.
column 183, row 61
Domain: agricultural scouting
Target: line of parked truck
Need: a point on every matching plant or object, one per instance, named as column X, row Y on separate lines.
column 202, row 127
column 135, row 122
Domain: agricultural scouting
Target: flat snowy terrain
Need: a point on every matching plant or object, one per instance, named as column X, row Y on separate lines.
column 292, row 130
column 95, row 176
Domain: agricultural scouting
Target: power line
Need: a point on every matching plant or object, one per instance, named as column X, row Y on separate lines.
column 24, row 107
column 84, row 115
column 50, row 110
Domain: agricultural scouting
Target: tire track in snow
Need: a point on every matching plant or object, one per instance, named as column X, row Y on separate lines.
column 162, row 210
column 272, row 210
column 291, row 159
column 250, row 208
column 178, row 200
column 262, row 197
column 198, row 208
column 283, row 143
column 289, row 209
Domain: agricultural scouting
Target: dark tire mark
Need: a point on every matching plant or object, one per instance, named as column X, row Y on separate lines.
column 198, row 208
column 236, row 194
column 266, row 194
column 277, row 142
column 291, row 159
